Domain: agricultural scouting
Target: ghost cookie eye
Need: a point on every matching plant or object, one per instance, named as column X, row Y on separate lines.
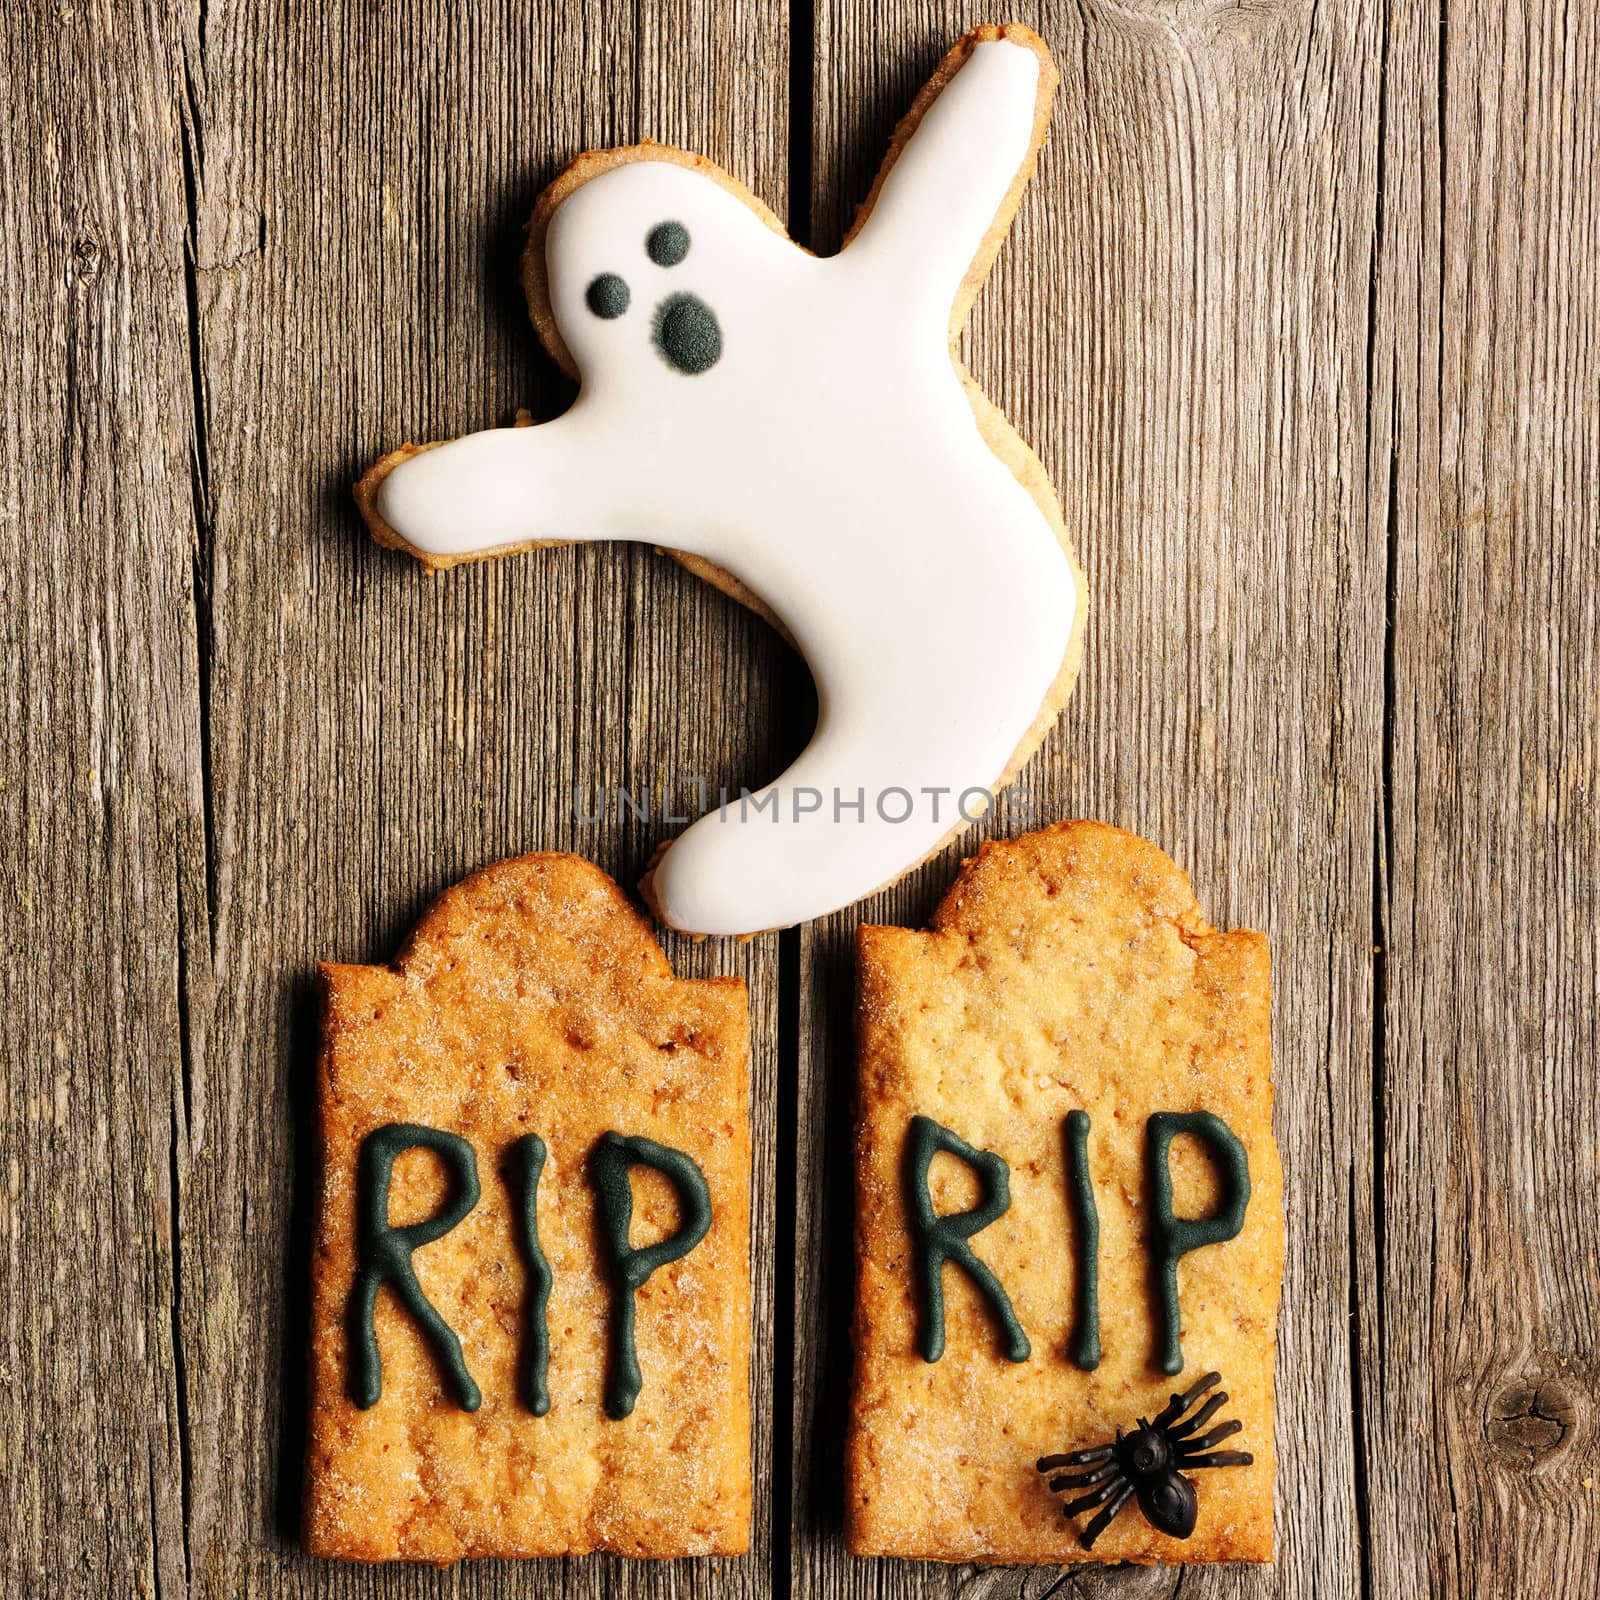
column 608, row 296
column 667, row 243
column 687, row 334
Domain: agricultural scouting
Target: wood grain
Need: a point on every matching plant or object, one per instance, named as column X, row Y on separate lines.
column 387, row 733
column 264, row 245
column 1184, row 326
column 1481, row 1377
column 102, row 798
column 1303, row 315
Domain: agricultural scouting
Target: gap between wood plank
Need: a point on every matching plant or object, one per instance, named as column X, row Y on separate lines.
column 191, row 157
column 1382, row 832
column 802, row 41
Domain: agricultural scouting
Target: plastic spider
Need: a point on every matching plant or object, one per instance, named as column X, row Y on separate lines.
column 1150, row 1462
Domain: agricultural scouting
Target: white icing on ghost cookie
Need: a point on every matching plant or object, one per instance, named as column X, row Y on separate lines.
column 801, row 425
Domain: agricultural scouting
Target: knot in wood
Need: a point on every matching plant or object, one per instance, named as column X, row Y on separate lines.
column 88, row 256
column 1531, row 1418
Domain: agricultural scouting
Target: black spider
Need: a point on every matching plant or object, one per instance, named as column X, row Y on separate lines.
column 1150, row 1462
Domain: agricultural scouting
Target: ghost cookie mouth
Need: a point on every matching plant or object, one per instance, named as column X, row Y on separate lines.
column 685, row 331
column 798, row 432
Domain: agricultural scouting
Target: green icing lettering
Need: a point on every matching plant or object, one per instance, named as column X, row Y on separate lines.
column 1084, row 1346
column 1172, row 1237
column 383, row 1255
column 940, row 1239
column 527, row 1164
column 609, row 1168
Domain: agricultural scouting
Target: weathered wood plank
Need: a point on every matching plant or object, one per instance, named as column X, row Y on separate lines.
column 1482, row 1375
column 243, row 250
column 360, row 181
column 100, row 801
column 1177, row 326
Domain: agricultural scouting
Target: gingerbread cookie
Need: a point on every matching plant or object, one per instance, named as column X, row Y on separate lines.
column 530, row 1310
column 1069, row 1229
column 798, row 431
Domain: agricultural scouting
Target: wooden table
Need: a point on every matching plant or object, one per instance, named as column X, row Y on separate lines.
column 1303, row 314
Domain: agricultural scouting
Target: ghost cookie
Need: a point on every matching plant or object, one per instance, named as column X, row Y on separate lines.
column 799, row 432
column 531, row 1290
column 1069, row 1227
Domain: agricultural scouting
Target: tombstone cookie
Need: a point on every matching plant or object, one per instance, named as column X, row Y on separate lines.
column 798, row 431
column 531, row 1294
column 1069, row 1230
